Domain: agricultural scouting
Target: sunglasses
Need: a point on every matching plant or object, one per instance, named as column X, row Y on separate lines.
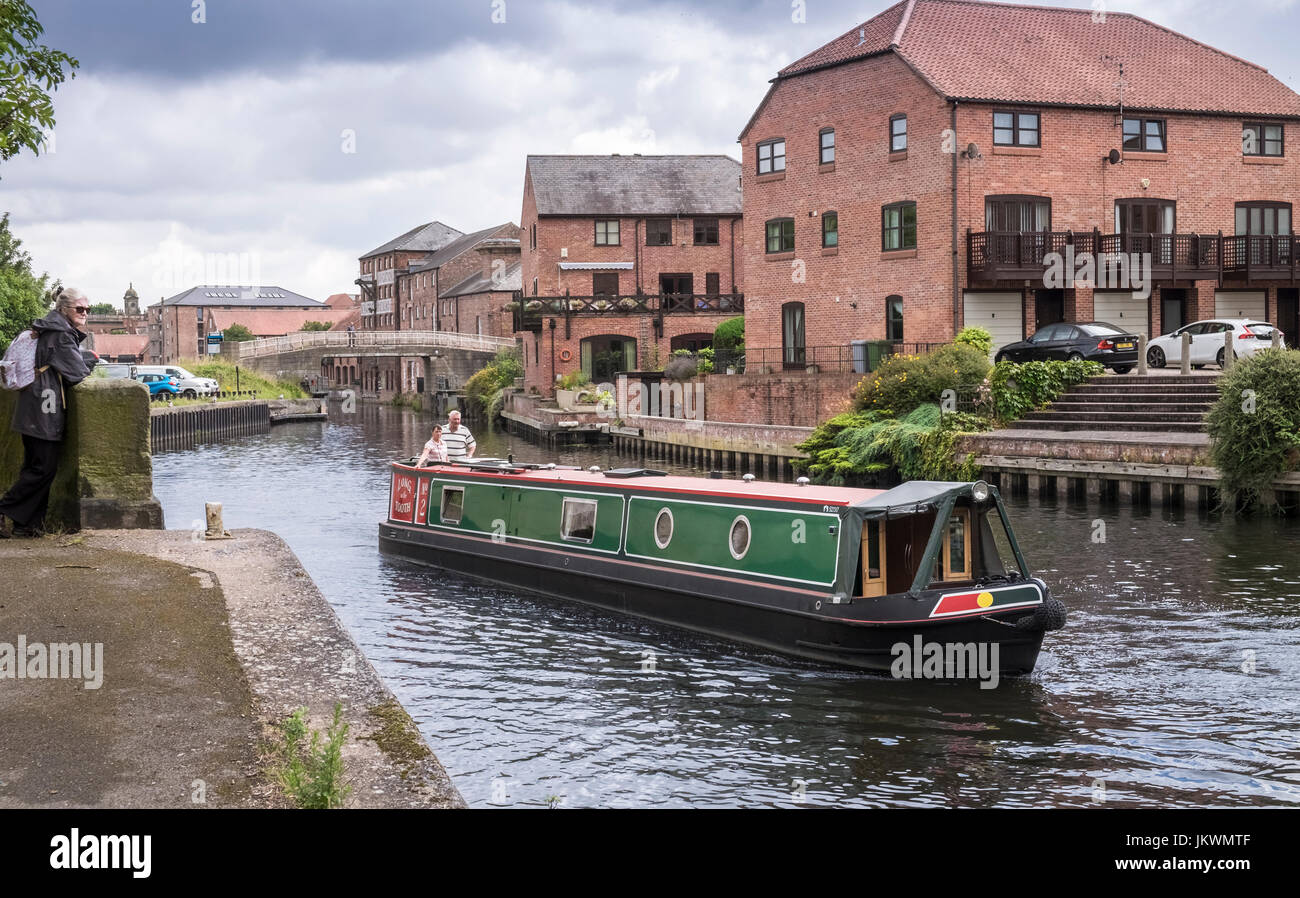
column 81, row 310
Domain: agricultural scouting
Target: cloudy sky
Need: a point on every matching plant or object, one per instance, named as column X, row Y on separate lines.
column 300, row 134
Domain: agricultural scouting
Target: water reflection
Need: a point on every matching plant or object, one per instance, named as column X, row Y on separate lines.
column 1149, row 690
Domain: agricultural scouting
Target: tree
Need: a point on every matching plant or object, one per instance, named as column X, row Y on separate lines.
column 103, row 308
column 237, row 333
column 24, row 297
column 315, row 326
column 29, row 73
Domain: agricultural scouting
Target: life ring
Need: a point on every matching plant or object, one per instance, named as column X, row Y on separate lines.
column 566, row 356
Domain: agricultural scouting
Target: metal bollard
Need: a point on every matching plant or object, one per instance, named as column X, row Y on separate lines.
column 1229, row 355
column 1142, row 355
column 1187, row 353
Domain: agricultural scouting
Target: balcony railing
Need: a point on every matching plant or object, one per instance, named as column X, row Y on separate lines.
column 1025, row 255
column 529, row 311
column 822, row 358
column 1260, row 256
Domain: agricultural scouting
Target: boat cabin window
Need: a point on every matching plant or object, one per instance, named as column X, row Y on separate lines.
column 453, row 504
column 663, row 528
column 738, row 541
column 578, row 520
column 997, row 556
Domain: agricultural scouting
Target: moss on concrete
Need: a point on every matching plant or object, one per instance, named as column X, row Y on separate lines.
column 397, row 736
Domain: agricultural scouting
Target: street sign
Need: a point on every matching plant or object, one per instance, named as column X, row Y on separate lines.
column 215, row 338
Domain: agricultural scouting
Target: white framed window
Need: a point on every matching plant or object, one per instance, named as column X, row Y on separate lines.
column 738, row 538
column 663, row 528
column 453, row 504
column 578, row 520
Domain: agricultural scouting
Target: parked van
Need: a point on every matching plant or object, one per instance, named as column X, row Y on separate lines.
column 191, row 386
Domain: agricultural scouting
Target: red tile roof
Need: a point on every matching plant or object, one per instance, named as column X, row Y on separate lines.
column 343, row 300
column 969, row 50
column 275, row 322
column 114, row 345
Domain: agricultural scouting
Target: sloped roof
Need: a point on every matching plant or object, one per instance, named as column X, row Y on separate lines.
column 276, row 323
column 425, row 238
column 255, row 297
column 980, row 51
column 461, row 244
column 481, row 282
column 343, row 300
column 635, row 185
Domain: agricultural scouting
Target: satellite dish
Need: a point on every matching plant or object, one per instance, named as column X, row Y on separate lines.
column 1112, row 157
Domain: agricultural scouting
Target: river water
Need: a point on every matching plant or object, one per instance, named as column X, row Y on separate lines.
column 1176, row 681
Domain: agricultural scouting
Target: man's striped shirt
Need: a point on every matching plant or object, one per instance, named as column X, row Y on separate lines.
column 459, row 441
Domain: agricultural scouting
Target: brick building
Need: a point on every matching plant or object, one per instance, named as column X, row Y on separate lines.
column 403, row 287
column 179, row 325
column 648, row 251
column 916, row 174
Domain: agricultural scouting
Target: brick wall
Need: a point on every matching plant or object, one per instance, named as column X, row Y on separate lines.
column 795, row 399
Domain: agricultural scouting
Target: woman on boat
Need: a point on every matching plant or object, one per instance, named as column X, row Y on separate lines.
column 435, row 451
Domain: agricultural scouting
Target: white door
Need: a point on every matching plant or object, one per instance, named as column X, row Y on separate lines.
column 1240, row 304
column 1001, row 314
column 1122, row 309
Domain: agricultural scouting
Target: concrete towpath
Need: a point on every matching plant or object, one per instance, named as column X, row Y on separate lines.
column 206, row 647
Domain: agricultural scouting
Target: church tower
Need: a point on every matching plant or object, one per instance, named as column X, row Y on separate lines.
column 131, row 302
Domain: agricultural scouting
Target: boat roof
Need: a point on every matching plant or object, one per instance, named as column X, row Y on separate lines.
column 633, row 479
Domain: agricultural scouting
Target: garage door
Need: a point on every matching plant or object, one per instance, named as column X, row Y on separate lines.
column 1122, row 309
column 998, row 313
column 1240, row 304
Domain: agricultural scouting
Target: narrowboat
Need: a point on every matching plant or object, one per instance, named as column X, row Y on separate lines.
column 833, row 575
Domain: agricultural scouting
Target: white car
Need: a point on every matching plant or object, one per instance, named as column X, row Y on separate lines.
column 191, row 386
column 1249, row 337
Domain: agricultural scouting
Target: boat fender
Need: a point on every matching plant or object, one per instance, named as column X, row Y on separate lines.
column 1047, row 617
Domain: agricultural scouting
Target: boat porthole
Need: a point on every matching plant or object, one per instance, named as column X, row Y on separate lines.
column 738, row 539
column 663, row 528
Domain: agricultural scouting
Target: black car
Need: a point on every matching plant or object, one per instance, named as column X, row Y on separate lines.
column 1095, row 341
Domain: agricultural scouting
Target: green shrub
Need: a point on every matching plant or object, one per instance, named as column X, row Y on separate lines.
column 978, row 337
column 1018, row 389
column 729, row 336
column 921, row 445
column 315, row 326
column 485, row 390
column 223, row 372
column 1254, row 426
column 704, row 359
column 311, row 770
column 904, row 382
column 237, row 333
column 573, row 380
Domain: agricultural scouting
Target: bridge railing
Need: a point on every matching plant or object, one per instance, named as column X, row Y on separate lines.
column 342, row 340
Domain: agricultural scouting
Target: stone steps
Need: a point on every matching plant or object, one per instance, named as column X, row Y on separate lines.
column 1170, row 404
column 1128, row 407
column 1072, row 424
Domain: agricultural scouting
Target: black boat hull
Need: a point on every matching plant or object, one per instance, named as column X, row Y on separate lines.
column 793, row 622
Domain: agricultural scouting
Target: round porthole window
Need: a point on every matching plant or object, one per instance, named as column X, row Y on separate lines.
column 739, row 540
column 663, row 528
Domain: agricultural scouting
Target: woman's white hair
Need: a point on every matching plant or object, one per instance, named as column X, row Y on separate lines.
column 69, row 298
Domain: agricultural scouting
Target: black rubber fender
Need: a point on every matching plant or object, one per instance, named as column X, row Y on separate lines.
column 1047, row 617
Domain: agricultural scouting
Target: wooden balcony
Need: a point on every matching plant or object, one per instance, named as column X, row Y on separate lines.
column 1023, row 255
column 529, row 311
column 1260, row 257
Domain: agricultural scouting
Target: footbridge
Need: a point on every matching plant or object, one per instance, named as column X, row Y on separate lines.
column 305, row 354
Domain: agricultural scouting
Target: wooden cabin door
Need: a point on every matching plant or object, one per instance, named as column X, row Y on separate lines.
column 873, row 558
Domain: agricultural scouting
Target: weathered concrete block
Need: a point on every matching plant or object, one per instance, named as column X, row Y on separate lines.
column 105, row 477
